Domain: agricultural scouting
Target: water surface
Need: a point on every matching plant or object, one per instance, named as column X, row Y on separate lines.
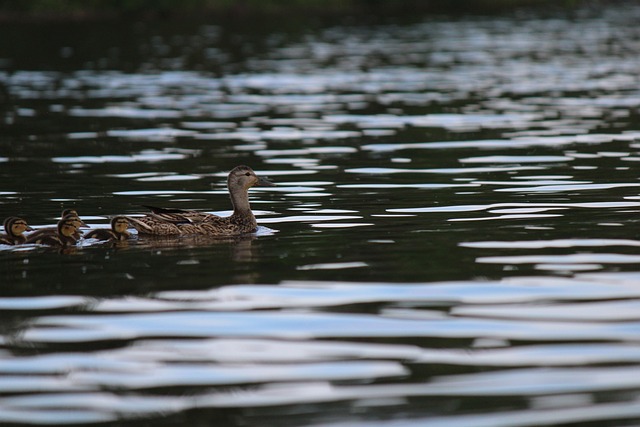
column 451, row 241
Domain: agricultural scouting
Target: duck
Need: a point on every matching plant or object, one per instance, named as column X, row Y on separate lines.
column 70, row 214
column 118, row 232
column 79, row 222
column 174, row 222
column 63, row 237
column 14, row 228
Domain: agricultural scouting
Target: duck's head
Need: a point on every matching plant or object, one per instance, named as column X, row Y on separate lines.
column 67, row 227
column 244, row 177
column 15, row 226
column 69, row 212
column 73, row 216
column 119, row 224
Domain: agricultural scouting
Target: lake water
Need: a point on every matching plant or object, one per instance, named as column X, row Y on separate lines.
column 452, row 241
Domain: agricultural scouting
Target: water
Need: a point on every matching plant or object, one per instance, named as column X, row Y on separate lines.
column 452, row 238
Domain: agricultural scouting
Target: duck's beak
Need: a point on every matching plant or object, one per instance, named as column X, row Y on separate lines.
column 83, row 224
column 263, row 182
column 29, row 228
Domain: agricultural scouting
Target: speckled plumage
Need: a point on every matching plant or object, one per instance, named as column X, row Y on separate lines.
column 14, row 227
column 168, row 222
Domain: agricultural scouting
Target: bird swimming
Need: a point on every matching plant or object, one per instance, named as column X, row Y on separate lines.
column 168, row 222
column 63, row 237
column 14, row 227
column 118, row 231
column 69, row 214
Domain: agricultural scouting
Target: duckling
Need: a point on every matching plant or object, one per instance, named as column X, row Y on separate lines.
column 69, row 214
column 63, row 237
column 14, row 227
column 168, row 222
column 79, row 222
column 118, row 232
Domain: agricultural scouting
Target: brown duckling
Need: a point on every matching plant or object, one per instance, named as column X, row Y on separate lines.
column 63, row 237
column 118, row 232
column 167, row 222
column 14, row 228
column 74, row 213
column 69, row 214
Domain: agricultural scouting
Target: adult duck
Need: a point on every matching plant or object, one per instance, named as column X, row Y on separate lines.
column 167, row 222
column 14, row 227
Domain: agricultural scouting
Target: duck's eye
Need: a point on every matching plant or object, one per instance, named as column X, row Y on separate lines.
column 248, row 174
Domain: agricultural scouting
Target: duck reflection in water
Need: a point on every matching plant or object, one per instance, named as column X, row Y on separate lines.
column 240, row 246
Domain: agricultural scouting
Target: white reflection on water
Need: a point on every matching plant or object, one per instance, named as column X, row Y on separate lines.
column 143, row 156
column 333, row 266
column 453, row 122
column 604, row 258
column 491, row 206
column 160, row 134
column 516, row 142
column 43, row 303
column 84, row 407
column 200, row 321
column 538, row 127
column 555, row 243
column 128, row 112
column 421, row 186
column 592, row 312
column 307, row 218
column 169, row 177
column 583, row 413
column 568, row 188
column 147, row 376
column 386, row 170
column 514, row 159
column 261, row 335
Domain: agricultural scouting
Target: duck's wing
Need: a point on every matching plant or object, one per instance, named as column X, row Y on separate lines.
column 157, row 210
column 40, row 232
column 178, row 216
column 161, row 227
column 6, row 240
column 18, row 240
column 151, row 225
column 46, row 239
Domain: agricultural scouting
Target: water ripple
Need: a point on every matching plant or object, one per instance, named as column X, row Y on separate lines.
column 556, row 243
column 192, row 324
column 481, row 169
column 143, row 156
column 492, row 206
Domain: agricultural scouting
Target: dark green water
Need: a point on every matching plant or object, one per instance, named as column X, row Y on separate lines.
column 452, row 239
